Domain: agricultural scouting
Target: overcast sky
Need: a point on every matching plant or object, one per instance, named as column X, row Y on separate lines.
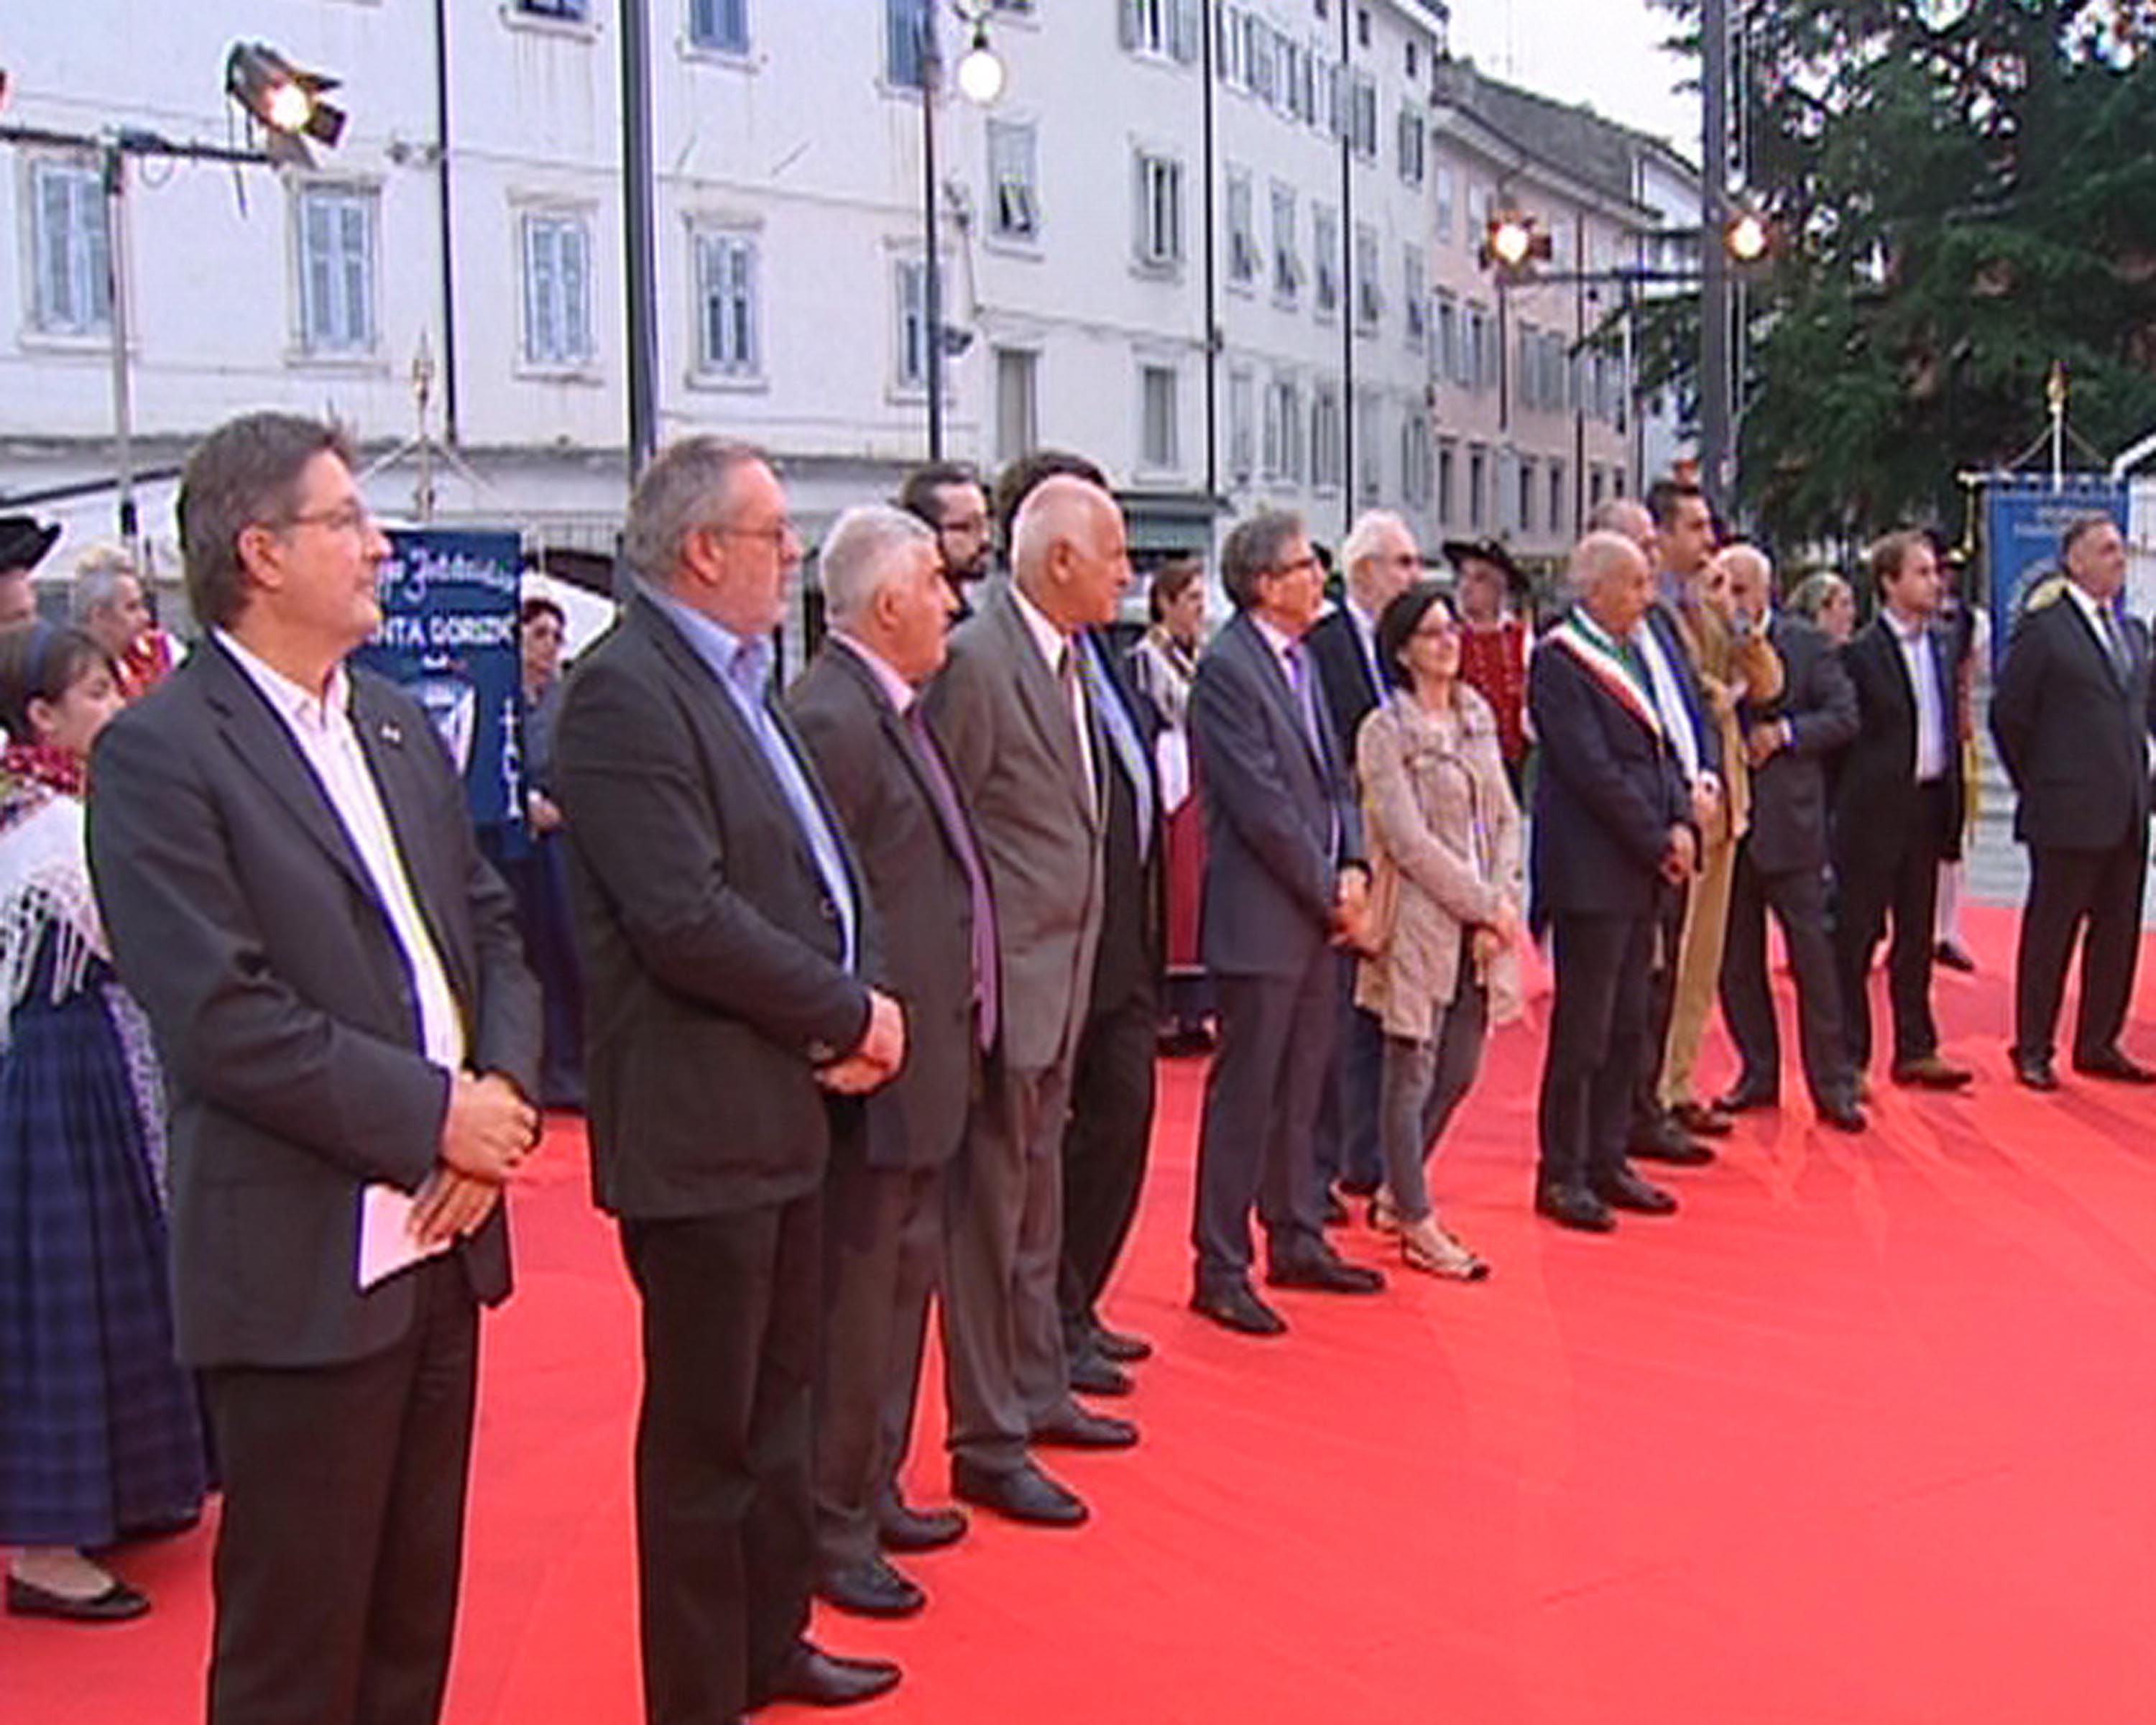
column 1604, row 53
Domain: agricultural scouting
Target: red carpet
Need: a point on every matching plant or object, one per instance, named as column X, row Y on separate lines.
column 1862, row 1435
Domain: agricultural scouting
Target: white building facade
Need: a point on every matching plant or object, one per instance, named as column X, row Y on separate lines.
column 1228, row 250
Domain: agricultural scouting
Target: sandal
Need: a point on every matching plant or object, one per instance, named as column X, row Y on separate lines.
column 1384, row 1218
column 1439, row 1253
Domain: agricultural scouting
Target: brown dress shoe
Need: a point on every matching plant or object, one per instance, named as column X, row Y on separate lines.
column 1932, row 1073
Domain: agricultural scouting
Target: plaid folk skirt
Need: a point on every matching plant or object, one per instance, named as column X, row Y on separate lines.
column 101, row 1430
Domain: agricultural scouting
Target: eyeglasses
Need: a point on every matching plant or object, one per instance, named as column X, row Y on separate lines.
column 777, row 534
column 1436, row 630
column 345, row 518
column 1307, row 560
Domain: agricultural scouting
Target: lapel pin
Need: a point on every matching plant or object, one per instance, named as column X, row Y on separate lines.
column 390, row 734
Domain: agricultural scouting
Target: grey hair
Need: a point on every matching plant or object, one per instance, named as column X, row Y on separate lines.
column 1744, row 550
column 2080, row 527
column 1363, row 538
column 1811, row 594
column 1598, row 557
column 1253, row 548
column 98, row 573
column 1618, row 515
column 861, row 552
column 687, row 487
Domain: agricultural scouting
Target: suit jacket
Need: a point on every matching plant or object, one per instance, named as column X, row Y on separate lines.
column 916, row 871
column 1344, row 675
column 243, row 920
column 714, row 976
column 1609, row 789
column 2072, row 731
column 1876, row 772
column 1134, row 907
column 1280, row 815
column 1007, row 731
column 1790, row 792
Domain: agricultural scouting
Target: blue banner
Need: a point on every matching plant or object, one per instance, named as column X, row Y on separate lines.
column 2022, row 520
column 448, row 637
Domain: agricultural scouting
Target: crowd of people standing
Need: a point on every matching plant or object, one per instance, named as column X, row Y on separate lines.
column 871, row 968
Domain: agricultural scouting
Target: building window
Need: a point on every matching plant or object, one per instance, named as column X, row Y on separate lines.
column 1478, row 485
column 727, row 338
column 909, row 304
column 571, row 11
column 1557, row 497
column 1525, row 381
column 1445, row 362
column 1447, row 192
column 1159, row 192
column 1242, row 231
column 1325, row 243
column 1018, row 409
column 1327, row 431
column 1415, row 305
column 336, row 269
column 718, row 26
column 1414, row 460
column 1413, row 146
column 1168, row 28
column 70, row 249
column 1369, row 448
column 1414, row 68
column 1369, row 296
column 1448, row 457
column 557, row 290
column 1481, row 350
column 906, row 25
column 1527, row 481
column 1242, row 433
column 1362, row 27
column 1287, row 265
column 1014, row 183
column 1284, row 432
column 1362, row 116
column 1259, row 57
column 1157, row 417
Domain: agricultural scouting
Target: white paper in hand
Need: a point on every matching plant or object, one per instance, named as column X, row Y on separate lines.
column 386, row 1241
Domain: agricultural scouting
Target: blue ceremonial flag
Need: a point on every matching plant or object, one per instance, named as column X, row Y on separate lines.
column 449, row 637
column 2022, row 520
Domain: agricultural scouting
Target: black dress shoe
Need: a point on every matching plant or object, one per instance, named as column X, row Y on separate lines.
column 1930, row 1072
column 1120, row 1346
column 1574, row 1207
column 1843, row 1116
column 903, row 1528
column 872, row 1588
column 1702, row 1119
column 1237, row 1308
column 1327, row 1273
column 1954, row 957
column 1743, row 1097
column 2036, row 1071
column 1074, row 1429
column 1625, row 1190
column 1024, row 1494
column 1092, row 1374
column 825, row 1679
column 1336, row 1212
column 117, row 1604
column 1665, row 1141
column 2111, row 1063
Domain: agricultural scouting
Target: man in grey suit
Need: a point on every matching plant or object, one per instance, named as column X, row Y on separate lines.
column 288, row 873
column 1013, row 716
column 1285, row 881
column 858, row 710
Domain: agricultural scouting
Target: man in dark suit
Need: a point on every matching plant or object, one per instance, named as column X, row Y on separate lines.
column 1012, row 714
column 1897, row 805
column 728, row 953
column 857, row 708
column 1781, row 860
column 1284, row 880
column 2072, row 718
column 1612, row 831
column 288, row 874
column 1381, row 558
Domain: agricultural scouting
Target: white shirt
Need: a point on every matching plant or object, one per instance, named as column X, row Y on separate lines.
column 323, row 731
column 2094, row 613
column 1366, row 635
column 1054, row 645
column 1921, row 664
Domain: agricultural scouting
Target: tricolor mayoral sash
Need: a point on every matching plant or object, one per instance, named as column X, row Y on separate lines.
column 1607, row 668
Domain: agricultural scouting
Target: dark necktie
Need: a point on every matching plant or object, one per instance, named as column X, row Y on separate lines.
column 2114, row 639
column 1075, row 704
column 945, row 795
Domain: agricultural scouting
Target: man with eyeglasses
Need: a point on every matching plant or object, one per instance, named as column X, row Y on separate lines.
column 294, row 892
column 949, row 497
column 1285, row 884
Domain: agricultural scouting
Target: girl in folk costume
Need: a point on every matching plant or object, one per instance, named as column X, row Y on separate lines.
column 101, row 1436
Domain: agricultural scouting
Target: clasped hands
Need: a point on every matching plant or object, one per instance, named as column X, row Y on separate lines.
column 488, row 1131
column 878, row 1055
column 1350, row 926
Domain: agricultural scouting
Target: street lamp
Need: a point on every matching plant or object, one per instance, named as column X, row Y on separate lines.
column 980, row 81
column 1746, row 237
column 284, row 100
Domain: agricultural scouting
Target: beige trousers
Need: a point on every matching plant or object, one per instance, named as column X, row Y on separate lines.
column 1699, row 968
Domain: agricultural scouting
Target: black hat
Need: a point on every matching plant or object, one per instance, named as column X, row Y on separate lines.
column 1457, row 551
column 23, row 542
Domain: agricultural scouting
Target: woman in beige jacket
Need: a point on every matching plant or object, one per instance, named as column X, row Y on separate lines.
column 1444, row 838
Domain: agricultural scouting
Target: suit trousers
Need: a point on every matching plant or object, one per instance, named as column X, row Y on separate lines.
column 724, row 1525
column 1698, row 969
column 1906, row 885
column 1347, row 1146
column 1424, row 1083
column 1104, row 1152
column 1797, row 897
column 1671, row 906
column 883, row 1251
column 1004, row 1368
column 1600, row 1044
column 1262, row 1096
column 341, row 1539
column 2067, row 889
